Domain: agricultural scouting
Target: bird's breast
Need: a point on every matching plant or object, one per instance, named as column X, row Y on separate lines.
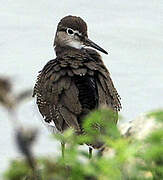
column 88, row 95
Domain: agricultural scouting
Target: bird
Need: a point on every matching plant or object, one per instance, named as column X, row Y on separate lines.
column 76, row 82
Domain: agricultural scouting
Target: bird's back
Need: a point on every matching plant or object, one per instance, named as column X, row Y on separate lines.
column 72, row 85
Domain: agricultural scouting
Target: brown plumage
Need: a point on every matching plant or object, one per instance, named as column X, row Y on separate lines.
column 76, row 81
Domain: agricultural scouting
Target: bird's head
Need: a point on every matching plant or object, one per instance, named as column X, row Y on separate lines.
column 72, row 32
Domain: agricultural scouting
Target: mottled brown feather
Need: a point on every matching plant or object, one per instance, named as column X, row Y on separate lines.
column 58, row 95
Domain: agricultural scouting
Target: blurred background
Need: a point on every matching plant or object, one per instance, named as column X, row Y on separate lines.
column 131, row 31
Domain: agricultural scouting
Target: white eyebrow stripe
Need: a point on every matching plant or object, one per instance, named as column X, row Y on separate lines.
column 76, row 31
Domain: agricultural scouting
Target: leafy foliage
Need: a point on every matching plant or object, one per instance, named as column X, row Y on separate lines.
column 156, row 114
column 17, row 170
column 123, row 158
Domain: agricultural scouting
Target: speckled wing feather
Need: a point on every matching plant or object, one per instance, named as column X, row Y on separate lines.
column 57, row 96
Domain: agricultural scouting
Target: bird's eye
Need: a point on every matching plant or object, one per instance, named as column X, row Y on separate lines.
column 70, row 31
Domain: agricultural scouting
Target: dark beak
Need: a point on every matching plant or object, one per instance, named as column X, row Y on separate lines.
column 90, row 43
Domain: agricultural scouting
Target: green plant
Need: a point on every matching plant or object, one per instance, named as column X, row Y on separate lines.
column 126, row 158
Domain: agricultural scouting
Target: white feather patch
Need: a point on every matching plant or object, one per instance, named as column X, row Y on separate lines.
column 75, row 44
column 51, row 127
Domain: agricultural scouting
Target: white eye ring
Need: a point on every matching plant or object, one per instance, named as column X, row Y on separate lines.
column 70, row 31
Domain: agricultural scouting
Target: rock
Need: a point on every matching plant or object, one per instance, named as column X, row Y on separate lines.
column 140, row 127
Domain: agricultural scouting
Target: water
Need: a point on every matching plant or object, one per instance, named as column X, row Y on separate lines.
column 131, row 31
